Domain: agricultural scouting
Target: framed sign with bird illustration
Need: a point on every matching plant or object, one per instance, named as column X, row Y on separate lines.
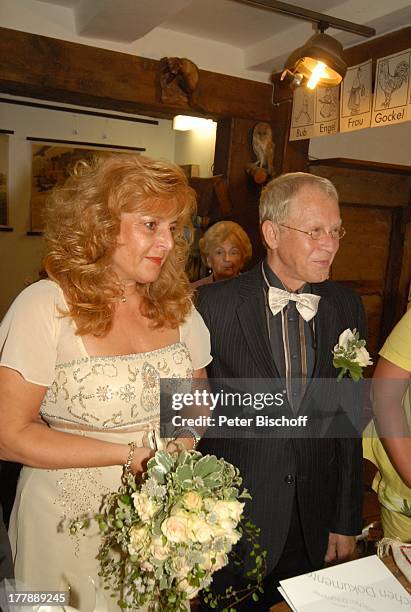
column 392, row 89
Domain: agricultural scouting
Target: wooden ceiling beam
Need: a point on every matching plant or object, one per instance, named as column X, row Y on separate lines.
column 380, row 46
column 53, row 69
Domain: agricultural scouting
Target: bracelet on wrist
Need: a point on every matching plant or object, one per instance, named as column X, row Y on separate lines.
column 130, row 457
column 179, row 433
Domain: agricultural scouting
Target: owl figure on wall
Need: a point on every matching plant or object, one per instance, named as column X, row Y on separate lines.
column 263, row 146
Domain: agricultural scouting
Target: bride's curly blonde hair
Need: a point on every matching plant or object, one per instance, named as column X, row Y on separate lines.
column 82, row 227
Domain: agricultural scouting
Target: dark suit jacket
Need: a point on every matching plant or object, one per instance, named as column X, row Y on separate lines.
column 325, row 472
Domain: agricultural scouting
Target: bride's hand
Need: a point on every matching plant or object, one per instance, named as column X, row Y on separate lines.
column 179, row 444
column 140, row 458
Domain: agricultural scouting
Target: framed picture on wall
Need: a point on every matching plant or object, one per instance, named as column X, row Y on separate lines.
column 4, row 153
column 51, row 165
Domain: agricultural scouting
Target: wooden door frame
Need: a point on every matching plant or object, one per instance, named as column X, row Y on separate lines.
column 397, row 278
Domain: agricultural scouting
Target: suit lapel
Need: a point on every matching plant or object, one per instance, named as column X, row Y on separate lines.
column 252, row 318
column 325, row 326
column 325, row 322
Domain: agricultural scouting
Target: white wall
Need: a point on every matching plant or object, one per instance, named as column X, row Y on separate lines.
column 388, row 144
column 197, row 147
column 20, row 255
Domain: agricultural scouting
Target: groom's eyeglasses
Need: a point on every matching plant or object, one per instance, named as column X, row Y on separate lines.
column 316, row 234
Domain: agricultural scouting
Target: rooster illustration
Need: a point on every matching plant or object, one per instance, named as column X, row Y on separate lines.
column 391, row 82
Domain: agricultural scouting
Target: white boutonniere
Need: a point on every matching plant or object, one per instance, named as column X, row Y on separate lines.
column 350, row 355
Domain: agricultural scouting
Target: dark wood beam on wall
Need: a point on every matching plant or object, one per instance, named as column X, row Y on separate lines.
column 232, row 156
column 294, row 156
column 52, row 69
column 394, row 304
column 379, row 46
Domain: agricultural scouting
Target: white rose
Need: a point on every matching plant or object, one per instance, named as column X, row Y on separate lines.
column 175, row 528
column 220, row 560
column 218, row 531
column 213, row 561
column 344, row 338
column 184, row 585
column 228, row 509
column 159, row 550
column 228, row 524
column 226, row 530
column 180, row 568
column 145, row 506
column 147, row 566
column 362, row 357
column 192, row 500
column 177, row 510
column 233, row 536
column 199, row 530
column 139, row 540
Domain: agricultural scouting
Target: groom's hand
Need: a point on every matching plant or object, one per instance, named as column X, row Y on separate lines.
column 340, row 548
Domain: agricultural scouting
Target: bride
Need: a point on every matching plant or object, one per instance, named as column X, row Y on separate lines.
column 82, row 355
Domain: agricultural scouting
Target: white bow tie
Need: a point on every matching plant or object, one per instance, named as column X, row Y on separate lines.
column 306, row 303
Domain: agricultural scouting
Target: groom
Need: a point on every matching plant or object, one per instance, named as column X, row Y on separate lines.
column 306, row 492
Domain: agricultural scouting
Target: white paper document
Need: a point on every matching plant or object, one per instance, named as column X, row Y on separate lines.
column 364, row 585
column 284, row 594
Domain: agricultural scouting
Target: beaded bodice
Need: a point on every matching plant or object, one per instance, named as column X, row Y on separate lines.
column 112, row 393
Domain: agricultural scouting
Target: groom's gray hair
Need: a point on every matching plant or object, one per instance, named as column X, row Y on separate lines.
column 278, row 193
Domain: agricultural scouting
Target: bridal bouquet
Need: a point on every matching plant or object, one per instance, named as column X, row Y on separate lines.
column 165, row 535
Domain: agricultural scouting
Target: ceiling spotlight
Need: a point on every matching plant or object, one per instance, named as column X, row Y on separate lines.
column 320, row 61
column 293, row 79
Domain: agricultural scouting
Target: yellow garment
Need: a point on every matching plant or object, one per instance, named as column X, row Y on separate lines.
column 393, row 494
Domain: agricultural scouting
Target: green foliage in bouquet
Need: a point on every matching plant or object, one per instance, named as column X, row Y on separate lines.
column 163, row 536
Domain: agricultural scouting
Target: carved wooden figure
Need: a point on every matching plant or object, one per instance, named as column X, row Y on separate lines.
column 178, row 80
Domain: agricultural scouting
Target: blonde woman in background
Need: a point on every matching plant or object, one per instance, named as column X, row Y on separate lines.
column 225, row 248
column 85, row 351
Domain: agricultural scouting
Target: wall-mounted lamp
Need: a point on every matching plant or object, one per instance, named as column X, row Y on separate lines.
column 320, row 61
column 184, row 123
